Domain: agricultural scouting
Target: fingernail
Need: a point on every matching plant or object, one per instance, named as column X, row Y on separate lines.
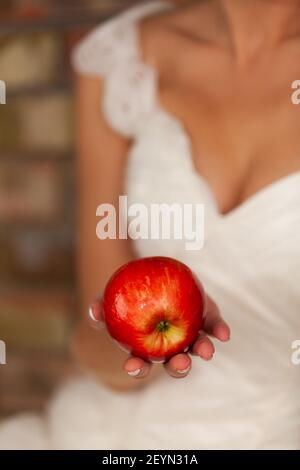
column 225, row 337
column 134, row 373
column 91, row 313
column 183, row 371
column 209, row 358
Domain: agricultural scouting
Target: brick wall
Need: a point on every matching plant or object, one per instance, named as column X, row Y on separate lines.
column 37, row 194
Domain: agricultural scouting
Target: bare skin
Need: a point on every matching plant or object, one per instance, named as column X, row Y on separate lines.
column 225, row 68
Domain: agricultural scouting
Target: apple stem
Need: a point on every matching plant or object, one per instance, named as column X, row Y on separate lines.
column 162, row 326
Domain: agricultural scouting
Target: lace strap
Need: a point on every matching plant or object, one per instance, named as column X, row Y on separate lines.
column 113, row 41
column 112, row 52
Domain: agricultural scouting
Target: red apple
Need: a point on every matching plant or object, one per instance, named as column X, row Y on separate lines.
column 154, row 308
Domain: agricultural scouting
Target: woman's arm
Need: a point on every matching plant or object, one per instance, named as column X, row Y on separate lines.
column 101, row 163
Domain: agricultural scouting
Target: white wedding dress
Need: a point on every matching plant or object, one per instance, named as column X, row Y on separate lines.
column 248, row 397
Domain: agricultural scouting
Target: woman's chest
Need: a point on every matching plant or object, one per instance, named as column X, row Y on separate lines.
column 256, row 241
column 244, row 134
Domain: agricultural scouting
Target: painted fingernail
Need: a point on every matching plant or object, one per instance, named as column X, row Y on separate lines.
column 183, row 371
column 91, row 313
column 134, row 373
column 208, row 358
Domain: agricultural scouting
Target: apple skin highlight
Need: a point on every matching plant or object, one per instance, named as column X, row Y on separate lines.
column 154, row 308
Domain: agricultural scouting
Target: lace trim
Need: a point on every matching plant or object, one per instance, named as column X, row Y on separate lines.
column 112, row 51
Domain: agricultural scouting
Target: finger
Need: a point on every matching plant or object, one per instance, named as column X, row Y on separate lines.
column 137, row 368
column 221, row 331
column 179, row 366
column 214, row 324
column 203, row 347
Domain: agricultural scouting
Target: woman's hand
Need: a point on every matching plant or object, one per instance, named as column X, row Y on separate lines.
column 179, row 365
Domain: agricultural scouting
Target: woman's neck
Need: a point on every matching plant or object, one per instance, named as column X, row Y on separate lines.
column 255, row 25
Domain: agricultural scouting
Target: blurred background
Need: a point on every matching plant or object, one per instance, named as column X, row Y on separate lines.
column 38, row 193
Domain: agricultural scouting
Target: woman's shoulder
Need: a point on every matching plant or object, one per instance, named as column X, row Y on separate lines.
column 113, row 53
column 115, row 40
